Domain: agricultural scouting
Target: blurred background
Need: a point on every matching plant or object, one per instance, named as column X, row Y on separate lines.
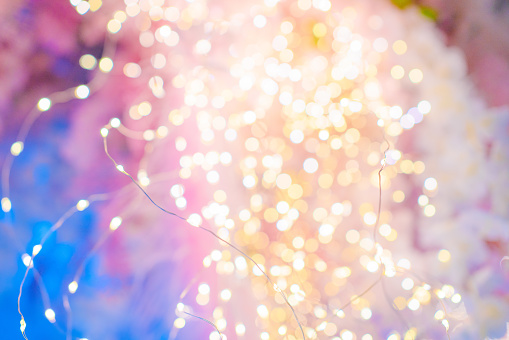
column 448, row 61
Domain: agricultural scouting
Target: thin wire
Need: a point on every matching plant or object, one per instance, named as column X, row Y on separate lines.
column 207, row 321
column 207, row 230
column 357, row 297
column 173, row 333
column 384, row 163
column 34, row 114
column 376, row 226
column 67, row 306
column 70, row 212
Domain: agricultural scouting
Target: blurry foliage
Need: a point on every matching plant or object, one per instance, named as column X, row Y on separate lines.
column 426, row 11
column 429, row 12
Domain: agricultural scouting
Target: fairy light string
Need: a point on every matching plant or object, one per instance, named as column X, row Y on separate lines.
column 321, row 99
column 43, row 105
column 104, row 134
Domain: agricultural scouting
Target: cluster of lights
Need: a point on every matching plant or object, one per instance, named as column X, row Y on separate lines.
column 302, row 135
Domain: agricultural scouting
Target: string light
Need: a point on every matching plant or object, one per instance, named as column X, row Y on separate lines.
column 328, row 138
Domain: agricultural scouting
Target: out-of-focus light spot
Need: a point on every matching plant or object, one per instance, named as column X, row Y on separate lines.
column 295, row 191
column 44, row 104
column 370, row 218
column 326, row 230
column 285, row 98
column 16, row 148
column 177, row 190
column 104, row 132
column 158, row 61
column 396, row 112
column 120, row 16
column 310, row 165
column 372, row 266
column 146, row 39
column 36, row 249
column 415, row 75
column 423, row 200
column 114, row 26
column 181, row 203
column 322, row 5
column 115, row 222
column 204, row 289
column 172, row 14
column 286, row 27
column 444, row 255
column 230, row 135
column 240, row 329
column 283, row 181
column 407, row 122
column 385, row 230
column 352, row 236
column 397, row 72
column 213, row 177
column 88, row 61
column 195, row 220
column 366, row 313
column 298, row 242
column 319, row 30
column 132, row 9
column 202, row 47
column 105, row 64
column 115, row 123
column 296, row 136
column 6, row 204
column 282, row 207
column 380, row 45
column 73, row 286
column 132, row 70
column 249, row 117
column 269, row 86
column 259, row 21
column 394, row 336
column 82, row 92
column 429, row 210
column 413, row 304
column 82, row 205
column 50, row 315
column 347, row 335
column 179, row 323
column 95, row 4
column 279, row 43
column 399, row 47
column 416, row 114
column 404, row 263
column 262, row 311
column 337, row 208
column 27, row 259
column 419, row 167
column 398, row 196
column 430, row 184
column 226, row 294
column 82, row 7
column 249, row 181
column 424, row 107
column 407, row 283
